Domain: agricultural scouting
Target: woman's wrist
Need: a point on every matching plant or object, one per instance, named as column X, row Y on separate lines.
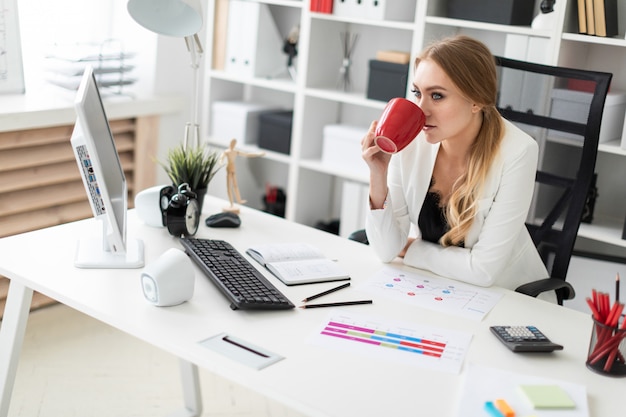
column 377, row 203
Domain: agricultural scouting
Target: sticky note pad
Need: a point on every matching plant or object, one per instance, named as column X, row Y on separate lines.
column 547, row 396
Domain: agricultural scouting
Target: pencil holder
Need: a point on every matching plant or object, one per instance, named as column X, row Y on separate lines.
column 607, row 350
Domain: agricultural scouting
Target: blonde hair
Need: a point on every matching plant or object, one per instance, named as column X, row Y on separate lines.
column 471, row 67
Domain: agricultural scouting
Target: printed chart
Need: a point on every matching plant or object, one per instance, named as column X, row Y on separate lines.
column 405, row 343
column 434, row 293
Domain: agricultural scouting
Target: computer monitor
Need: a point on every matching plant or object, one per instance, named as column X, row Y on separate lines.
column 105, row 183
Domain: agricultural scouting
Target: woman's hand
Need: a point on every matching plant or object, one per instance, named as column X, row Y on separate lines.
column 378, row 162
column 376, row 159
column 406, row 247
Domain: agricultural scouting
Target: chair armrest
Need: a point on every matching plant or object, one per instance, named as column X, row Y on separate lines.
column 564, row 289
column 359, row 236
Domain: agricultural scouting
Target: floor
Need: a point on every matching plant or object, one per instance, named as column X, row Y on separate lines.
column 72, row 365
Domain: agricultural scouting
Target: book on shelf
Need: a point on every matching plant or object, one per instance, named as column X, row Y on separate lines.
column 605, row 17
column 582, row 16
column 321, row 6
column 297, row 263
column 591, row 23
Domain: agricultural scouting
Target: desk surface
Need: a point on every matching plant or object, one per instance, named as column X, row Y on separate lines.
column 312, row 379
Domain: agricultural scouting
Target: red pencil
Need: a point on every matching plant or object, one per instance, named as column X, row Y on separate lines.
column 594, row 309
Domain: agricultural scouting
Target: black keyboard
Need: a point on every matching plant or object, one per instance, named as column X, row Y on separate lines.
column 242, row 283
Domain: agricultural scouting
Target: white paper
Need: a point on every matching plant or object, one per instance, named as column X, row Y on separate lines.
column 488, row 384
column 440, row 294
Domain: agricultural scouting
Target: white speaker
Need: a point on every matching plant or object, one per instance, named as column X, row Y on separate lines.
column 169, row 280
column 151, row 202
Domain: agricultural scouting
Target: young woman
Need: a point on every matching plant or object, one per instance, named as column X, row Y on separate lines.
column 465, row 183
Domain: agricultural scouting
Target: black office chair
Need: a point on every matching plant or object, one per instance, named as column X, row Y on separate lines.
column 530, row 95
column 526, row 97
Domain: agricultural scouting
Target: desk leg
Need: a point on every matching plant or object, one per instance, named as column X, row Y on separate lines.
column 191, row 390
column 12, row 330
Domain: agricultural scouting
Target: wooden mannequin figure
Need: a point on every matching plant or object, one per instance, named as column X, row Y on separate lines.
column 232, row 187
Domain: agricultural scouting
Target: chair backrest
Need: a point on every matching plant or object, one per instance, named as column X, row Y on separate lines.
column 562, row 109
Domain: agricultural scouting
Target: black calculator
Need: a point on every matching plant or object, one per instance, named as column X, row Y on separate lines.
column 524, row 339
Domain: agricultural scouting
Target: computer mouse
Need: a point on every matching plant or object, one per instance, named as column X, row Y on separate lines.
column 224, row 219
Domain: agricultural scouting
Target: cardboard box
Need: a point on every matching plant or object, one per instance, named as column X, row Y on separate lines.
column 504, row 12
column 574, row 106
column 275, row 130
column 342, row 148
column 387, row 80
column 237, row 120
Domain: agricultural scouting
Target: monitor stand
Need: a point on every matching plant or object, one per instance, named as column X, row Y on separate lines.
column 90, row 253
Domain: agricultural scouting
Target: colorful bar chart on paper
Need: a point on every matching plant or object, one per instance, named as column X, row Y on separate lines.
column 406, row 343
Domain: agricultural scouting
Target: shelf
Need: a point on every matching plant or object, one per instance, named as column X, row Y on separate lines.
column 356, row 98
column 288, row 3
column 577, row 37
column 604, row 230
column 317, row 102
column 613, row 147
column 492, row 27
column 279, row 84
column 409, row 26
column 319, row 166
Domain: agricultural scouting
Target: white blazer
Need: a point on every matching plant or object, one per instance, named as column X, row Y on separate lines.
column 498, row 249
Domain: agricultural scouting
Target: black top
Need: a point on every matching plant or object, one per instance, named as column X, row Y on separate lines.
column 432, row 220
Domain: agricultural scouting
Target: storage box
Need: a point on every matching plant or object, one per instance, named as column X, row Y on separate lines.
column 400, row 10
column 275, row 130
column 342, row 148
column 237, row 120
column 387, row 80
column 574, row 106
column 505, row 12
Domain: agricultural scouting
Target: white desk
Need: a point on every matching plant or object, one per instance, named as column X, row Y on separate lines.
column 313, row 380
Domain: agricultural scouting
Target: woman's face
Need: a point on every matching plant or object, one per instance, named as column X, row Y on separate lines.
column 449, row 114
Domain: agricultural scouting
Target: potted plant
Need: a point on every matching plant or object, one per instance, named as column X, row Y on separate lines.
column 195, row 166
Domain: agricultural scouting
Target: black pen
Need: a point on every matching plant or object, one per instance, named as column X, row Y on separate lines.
column 343, row 303
column 313, row 297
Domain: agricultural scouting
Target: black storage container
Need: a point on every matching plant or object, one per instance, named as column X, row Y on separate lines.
column 387, row 80
column 506, row 12
column 275, row 130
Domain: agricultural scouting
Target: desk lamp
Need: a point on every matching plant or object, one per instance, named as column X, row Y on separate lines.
column 178, row 18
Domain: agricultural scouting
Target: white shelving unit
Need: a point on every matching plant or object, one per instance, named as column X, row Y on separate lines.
column 314, row 189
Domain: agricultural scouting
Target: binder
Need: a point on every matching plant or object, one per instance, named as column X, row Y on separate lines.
column 326, row 6
column 400, row 10
column 341, row 7
column 254, row 46
column 605, row 17
column 220, row 36
column 350, row 8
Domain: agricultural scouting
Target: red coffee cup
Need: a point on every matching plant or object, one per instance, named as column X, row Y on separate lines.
column 399, row 124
